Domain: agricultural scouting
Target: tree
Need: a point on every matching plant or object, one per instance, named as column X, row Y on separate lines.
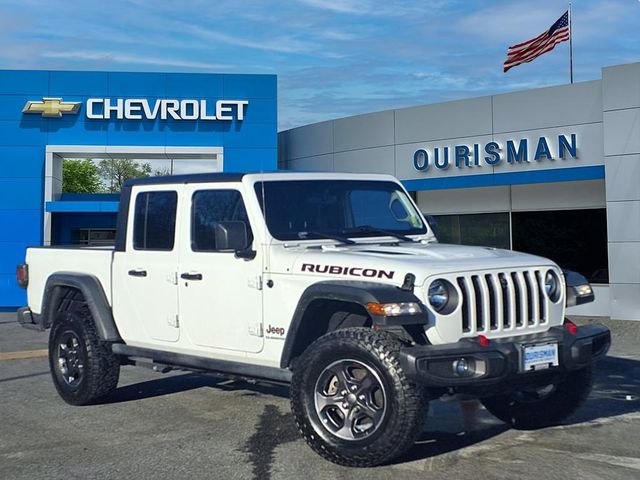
column 116, row 171
column 80, row 176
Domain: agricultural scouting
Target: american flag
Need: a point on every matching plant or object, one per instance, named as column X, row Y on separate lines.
column 546, row 41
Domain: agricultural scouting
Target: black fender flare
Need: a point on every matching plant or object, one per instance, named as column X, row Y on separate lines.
column 357, row 292
column 93, row 294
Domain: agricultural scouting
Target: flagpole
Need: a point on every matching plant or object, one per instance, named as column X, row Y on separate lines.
column 570, row 45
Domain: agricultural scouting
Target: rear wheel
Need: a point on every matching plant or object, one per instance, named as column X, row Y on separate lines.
column 547, row 405
column 352, row 401
column 83, row 368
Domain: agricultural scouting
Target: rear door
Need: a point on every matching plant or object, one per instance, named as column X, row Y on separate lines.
column 220, row 296
column 145, row 289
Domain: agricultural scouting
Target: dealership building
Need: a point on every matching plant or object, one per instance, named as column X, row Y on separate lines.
column 552, row 171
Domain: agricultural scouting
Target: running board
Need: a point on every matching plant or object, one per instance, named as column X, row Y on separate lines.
column 223, row 367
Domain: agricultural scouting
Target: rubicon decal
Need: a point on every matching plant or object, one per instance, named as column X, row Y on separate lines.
column 349, row 271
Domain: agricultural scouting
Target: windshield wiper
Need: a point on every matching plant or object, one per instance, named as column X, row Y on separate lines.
column 337, row 238
column 370, row 229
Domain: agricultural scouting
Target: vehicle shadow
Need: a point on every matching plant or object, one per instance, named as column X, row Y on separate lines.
column 456, row 425
column 189, row 381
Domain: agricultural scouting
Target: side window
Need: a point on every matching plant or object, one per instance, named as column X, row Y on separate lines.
column 212, row 209
column 154, row 222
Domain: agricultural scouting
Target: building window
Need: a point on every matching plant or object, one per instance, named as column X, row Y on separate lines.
column 208, row 209
column 483, row 229
column 95, row 237
column 574, row 239
column 154, row 222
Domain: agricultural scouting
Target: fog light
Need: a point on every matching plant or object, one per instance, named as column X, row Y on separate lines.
column 462, row 368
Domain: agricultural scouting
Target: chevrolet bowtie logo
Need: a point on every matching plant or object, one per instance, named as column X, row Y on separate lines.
column 52, row 107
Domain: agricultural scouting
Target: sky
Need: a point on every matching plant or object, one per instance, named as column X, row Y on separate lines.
column 333, row 58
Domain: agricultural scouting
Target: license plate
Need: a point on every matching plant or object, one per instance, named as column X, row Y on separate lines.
column 538, row 357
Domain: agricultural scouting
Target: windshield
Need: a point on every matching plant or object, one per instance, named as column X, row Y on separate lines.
column 313, row 209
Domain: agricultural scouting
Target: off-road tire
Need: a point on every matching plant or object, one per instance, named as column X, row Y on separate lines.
column 405, row 402
column 524, row 413
column 101, row 368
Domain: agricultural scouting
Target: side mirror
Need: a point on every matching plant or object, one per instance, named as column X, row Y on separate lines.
column 231, row 236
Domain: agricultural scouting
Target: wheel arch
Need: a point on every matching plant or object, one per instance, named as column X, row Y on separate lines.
column 322, row 304
column 58, row 288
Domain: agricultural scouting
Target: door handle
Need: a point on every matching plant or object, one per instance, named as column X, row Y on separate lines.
column 138, row 273
column 191, row 276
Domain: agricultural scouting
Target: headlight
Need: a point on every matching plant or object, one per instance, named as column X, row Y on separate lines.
column 552, row 286
column 442, row 296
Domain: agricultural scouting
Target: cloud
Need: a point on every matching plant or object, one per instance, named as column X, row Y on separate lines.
column 277, row 44
column 376, row 7
column 102, row 56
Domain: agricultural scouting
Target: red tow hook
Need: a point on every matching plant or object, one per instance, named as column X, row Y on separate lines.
column 484, row 341
column 571, row 327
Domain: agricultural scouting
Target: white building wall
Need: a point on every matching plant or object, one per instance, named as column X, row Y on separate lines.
column 621, row 107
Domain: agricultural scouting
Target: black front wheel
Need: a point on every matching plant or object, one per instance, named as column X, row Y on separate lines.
column 83, row 368
column 547, row 405
column 352, row 401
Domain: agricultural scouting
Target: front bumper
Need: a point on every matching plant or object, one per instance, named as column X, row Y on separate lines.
column 501, row 360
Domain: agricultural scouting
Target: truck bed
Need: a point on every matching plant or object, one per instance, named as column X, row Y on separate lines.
column 44, row 261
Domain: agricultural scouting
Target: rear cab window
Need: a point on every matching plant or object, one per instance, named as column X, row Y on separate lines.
column 154, row 221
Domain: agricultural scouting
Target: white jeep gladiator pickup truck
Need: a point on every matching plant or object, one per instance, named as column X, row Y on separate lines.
column 332, row 283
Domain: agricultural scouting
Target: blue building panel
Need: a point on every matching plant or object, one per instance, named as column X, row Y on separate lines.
column 21, row 226
column 199, row 85
column 11, row 254
column 261, row 110
column 124, row 84
column 11, row 108
column 28, row 82
column 27, row 132
column 136, row 132
column 236, row 86
column 93, row 84
column 77, row 132
column 205, row 134
column 248, row 145
column 20, row 194
column 247, row 134
column 10, row 294
column 22, row 161
column 250, row 160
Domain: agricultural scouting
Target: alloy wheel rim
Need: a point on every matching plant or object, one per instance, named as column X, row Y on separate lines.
column 70, row 359
column 350, row 399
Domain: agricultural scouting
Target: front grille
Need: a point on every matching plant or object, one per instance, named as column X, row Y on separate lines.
column 503, row 301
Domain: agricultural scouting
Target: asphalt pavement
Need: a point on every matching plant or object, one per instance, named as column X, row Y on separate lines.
column 196, row 426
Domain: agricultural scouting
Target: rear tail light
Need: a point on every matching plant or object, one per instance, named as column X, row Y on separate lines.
column 22, row 275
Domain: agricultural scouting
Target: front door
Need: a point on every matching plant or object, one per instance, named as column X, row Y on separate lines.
column 219, row 295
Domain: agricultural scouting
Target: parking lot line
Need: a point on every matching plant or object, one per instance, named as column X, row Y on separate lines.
column 23, row 355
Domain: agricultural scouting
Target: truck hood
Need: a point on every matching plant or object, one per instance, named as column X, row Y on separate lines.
column 391, row 262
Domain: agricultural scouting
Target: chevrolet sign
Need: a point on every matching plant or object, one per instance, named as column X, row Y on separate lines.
column 51, row 107
column 142, row 109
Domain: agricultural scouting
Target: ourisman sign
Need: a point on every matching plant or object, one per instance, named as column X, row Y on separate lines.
column 493, row 153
